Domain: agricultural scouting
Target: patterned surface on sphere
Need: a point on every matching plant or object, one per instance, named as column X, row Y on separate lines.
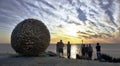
column 30, row 38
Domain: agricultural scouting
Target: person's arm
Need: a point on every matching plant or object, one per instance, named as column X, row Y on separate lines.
column 63, row 44
column 92, row 49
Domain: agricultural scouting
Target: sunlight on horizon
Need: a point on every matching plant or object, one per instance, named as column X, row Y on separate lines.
column 74, row 51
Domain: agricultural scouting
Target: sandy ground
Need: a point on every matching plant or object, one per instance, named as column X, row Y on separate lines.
column 8, row 60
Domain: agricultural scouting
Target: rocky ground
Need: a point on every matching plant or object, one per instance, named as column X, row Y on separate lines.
column 7, row 60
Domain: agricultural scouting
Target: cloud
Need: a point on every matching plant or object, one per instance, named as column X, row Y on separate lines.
column 73, row 22
column 60, row 26
column 81, row 15
column 82, row 33
column 89, row 31
column 119, row 28
column 46, row 3
column 94, row 18
column 90, row 35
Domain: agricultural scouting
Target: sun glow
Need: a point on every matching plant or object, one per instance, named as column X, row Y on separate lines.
column 72, row 30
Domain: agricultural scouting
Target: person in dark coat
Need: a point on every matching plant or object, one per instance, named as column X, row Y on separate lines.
column 68, row 50
column 57, row 49
column 98, row 50
column 90, row 51
column 83, row 50
column 61, row 45
column 86, row 51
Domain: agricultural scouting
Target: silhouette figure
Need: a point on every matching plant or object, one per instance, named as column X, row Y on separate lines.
column 61, row 45
column 86, row 51
column 68, row 50
column 98, row 49
column 57, row 49
column 90, row 51
column 83, row 50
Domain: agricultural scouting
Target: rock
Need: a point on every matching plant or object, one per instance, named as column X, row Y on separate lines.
column 81, row 57
column 51, row 54
column 30, row 38
column 106, row 57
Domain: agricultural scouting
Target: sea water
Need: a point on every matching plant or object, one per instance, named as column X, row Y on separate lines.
column 109, row 49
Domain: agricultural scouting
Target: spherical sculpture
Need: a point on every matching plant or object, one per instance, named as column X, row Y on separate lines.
column 30, row 38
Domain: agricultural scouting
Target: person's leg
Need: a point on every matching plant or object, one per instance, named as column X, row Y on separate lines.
column 62, row 52
column 57, row 51
column 100, row 59
column 69, row 54
column 59, row 54
column 83, row 54
column 99, row 56
column 90, row 55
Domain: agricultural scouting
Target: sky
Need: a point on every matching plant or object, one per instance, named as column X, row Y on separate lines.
column 68, row 20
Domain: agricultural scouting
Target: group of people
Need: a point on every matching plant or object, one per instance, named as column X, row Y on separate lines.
column 59, row 49
column 86, row 50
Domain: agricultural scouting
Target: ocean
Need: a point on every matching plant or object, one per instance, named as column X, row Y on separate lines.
column 110, row 49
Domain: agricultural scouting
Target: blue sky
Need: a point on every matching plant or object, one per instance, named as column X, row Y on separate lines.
column 70, row 20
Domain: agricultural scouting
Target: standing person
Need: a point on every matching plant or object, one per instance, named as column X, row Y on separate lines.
column 68, row 50
column 86, row 51
column 90, row 51
column 57, row 49
column 98, row 49
column 61, row 45
column 83, row 50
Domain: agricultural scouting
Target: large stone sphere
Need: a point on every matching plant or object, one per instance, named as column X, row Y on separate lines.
column 30, row 38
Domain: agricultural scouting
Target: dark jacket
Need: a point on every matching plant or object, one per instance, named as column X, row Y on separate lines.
column 98, row 48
